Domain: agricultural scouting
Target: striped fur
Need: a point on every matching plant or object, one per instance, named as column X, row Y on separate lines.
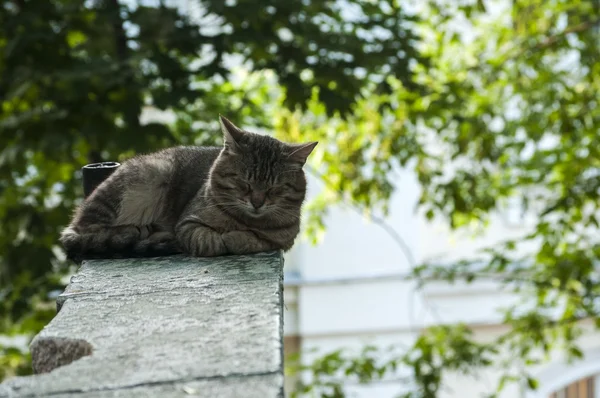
column 242, row 198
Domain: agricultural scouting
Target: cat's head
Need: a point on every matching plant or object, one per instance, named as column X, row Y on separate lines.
column 259, row 176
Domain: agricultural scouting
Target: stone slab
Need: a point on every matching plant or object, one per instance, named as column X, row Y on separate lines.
column 155, row 325
column 100, row 279
column 232, row 387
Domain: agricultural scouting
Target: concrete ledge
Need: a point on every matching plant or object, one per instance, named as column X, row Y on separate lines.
column 165, row 327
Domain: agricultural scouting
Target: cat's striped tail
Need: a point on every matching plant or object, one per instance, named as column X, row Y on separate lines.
column 119, row 241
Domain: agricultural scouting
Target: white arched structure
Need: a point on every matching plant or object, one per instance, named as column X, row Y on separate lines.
column 562, row 374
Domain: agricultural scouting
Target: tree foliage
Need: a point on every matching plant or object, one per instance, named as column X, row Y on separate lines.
column 76, row 77
column 509, row 109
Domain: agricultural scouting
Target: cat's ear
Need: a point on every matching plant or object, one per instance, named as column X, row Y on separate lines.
column 298, row 153
column 231, row 133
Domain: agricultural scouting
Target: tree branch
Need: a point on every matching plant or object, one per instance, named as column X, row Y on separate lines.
column 547, row 42
column 391, row 231
column 21, row 5
column 117, row 25
column 551, row 40
column 122, row 54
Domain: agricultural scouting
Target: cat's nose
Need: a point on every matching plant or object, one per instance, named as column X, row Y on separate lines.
column 257, row 199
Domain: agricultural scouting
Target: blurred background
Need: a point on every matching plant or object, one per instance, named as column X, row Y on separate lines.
column 450, row 240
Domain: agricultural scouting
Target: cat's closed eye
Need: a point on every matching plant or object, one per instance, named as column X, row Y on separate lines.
column 279, row 190
column 275, row 191
column 242, row 186
column 228, row 175
column 291, row 187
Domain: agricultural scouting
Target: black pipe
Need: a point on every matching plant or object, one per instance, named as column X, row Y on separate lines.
column 95, row 173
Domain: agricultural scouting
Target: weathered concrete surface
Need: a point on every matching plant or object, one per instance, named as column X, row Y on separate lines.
column 165, row 327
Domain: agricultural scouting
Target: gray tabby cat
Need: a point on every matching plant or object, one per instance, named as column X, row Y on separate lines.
column 205, row 201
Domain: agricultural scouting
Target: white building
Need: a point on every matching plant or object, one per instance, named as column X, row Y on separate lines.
column 349, row 291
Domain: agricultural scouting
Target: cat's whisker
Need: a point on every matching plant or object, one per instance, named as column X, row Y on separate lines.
column 287, row 208
column 280, row 211
column 223, row 205
column 226, row 198
column 286, row 172
column 212, row 196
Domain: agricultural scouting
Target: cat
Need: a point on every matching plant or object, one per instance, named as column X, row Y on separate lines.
column 241, row 198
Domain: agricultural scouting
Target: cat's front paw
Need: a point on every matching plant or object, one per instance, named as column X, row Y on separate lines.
column 235, row 241
column 241, row 242
column 164, row 242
